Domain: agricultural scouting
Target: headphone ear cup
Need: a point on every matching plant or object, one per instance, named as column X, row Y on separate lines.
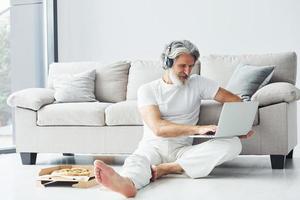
column 169, row 62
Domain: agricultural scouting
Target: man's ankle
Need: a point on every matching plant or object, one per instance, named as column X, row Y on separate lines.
column 129, row 181
column 171, row 168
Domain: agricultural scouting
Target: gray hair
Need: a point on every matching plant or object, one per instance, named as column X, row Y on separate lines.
column 175, row 48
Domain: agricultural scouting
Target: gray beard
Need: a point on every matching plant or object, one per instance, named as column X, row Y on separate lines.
column 175, row 80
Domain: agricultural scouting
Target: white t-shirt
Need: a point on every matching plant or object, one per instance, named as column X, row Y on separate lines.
column 178, row 104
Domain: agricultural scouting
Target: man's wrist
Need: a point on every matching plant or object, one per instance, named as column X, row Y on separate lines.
column 194, row 130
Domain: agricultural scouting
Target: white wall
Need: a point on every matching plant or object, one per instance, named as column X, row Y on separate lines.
column 108, row 31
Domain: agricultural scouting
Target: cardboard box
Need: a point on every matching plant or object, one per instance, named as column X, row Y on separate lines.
column 45, row 179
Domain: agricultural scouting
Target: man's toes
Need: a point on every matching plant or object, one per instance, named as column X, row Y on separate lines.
column 153, row 173
column 98, row 162
column 96, row 168
column 153, row 168
column 98, row 178
column 101, row 165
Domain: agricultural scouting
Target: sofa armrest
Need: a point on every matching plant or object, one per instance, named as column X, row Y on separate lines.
column 276, row 93
column 32, row 98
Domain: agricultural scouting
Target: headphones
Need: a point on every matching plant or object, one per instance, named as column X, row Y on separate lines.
column 168, row 62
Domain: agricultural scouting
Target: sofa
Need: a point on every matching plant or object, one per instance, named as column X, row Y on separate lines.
column 112, row 125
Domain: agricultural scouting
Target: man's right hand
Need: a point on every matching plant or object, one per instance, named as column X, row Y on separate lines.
column 202, row 130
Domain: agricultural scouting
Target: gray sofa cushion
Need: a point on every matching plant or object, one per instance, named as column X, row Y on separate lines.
column 75, row 87
column 31, row 98
column 210, row 111
column 123, row 113
column 111, row 80
column 276, row 93
column 142, row 72
column 72, row 114
column 221, row 67
column 247, row 79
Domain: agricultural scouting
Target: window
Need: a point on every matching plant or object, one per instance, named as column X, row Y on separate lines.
column 6, row 136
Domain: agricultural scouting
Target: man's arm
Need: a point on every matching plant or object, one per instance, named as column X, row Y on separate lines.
column 164, row 128
column 226, row 96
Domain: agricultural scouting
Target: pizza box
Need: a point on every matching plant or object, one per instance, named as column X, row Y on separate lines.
column 45, row 179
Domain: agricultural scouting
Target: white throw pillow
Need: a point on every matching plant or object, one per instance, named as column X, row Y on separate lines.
column 75, row 87
column 276, row 93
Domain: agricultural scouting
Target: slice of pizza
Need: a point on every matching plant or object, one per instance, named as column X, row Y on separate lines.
column 78, row 171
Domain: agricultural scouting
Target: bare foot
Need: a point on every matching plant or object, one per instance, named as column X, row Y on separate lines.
column 164, row 169
column 108, row 177
column 153, row 173
column 157, row 172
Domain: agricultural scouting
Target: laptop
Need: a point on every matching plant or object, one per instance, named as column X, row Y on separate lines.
column 236, row 119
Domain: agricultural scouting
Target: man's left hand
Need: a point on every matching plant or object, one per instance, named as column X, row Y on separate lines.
column 248, row 135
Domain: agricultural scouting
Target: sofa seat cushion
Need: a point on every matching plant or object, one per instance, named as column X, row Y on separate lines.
column 72, row 114
column 210, row 111
column 123, row 113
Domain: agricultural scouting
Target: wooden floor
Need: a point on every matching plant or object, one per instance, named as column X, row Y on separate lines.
column 246, row 177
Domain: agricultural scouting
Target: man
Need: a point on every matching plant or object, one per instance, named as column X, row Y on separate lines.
column 170, row 109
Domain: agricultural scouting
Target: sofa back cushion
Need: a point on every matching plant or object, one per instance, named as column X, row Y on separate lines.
column 111, row 80
column 221, row 67
column 142, row 72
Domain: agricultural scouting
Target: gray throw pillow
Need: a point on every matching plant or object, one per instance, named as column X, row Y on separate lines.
column 247, row 79
column 75, row 87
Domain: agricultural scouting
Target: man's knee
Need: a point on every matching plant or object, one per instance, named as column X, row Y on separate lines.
column 231, row 149
column 234, row 146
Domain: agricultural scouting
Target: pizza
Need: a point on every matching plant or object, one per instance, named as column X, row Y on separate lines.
column 78, row 171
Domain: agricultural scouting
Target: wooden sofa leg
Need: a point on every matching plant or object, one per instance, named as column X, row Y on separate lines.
column 277, row 161
column 290, row 155
column 28, row 158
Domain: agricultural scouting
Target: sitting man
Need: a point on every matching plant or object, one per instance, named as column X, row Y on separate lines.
column 170, row 109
